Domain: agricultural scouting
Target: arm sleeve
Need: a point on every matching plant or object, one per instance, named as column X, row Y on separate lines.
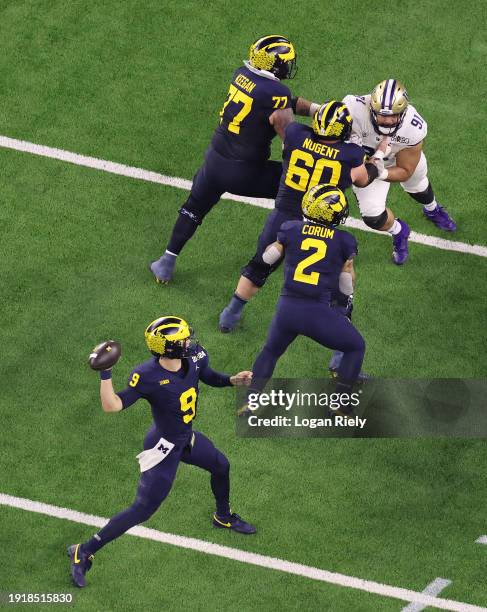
column 283, row 232
column 350, row 247
column 212, row 378
column 128, row 396
column 358, row 156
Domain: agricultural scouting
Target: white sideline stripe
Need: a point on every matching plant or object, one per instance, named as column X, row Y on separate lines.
column 482, row 540
column 245, row 557
column 180, row 183
column 433, row 588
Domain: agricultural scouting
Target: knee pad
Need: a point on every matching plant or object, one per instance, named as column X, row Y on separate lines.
column 376, row 222
column 257, row 271
column 423, row 197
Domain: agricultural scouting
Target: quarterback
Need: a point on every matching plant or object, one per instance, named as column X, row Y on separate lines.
column 169, row 382
column 387, row 114
column 257, row 107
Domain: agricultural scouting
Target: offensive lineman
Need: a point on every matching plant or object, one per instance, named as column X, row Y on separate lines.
column 311, row 155
column 237, row 159
column 169, row 382
column 386, row 113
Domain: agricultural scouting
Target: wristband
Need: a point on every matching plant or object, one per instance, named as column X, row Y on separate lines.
column 379, row 155
column 294, row 101
column 105, row 374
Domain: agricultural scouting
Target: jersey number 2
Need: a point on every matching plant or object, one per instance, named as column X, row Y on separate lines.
column 311, row 278
column 188, row 404
column 238, row 97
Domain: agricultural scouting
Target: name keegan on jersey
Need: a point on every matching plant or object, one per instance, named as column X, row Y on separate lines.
column 245, row 83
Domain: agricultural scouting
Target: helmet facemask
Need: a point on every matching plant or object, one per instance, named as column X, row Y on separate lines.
column 386, row 130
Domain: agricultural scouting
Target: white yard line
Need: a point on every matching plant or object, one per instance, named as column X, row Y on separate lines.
column 433, row 588
column 242, row 556
column 482, row 540
column 180, row 183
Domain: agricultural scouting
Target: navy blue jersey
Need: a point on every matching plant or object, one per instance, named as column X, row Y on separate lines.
column 244, row 132
column 173, row 396
column 307, row 161
column 314, row 258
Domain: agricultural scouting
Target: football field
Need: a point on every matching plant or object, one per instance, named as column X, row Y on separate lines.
column 373, row 522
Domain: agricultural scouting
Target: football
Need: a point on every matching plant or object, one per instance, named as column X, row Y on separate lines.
column 105, row 355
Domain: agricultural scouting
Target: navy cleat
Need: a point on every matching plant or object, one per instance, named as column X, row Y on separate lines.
column 234, row 522
column 163, row 268
column 440, row 218
column 400, row 241
column 228, row 320
column 80, row 564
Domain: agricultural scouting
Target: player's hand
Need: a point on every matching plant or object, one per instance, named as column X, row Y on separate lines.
column 383, row 149
column 242, row 378
column 383, row 172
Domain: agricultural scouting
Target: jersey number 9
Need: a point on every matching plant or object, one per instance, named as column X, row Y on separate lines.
column 187, row 401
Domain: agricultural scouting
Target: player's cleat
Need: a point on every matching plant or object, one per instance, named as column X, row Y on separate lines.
column 163, row 268
column 228, row 320
column 234, row 522
column 334, row 364
column 80, row 564
column 400, row 241
column 440, row 218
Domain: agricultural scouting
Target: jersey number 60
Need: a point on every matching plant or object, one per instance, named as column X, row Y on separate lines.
column 301, row 179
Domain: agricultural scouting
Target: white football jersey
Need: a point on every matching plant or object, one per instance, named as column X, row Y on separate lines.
column 412, row 130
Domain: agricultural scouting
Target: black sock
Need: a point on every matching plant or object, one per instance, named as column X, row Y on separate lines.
column 220, row 485
column 183, row 230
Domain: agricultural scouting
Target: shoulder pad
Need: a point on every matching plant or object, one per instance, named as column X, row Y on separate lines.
column 414, row 127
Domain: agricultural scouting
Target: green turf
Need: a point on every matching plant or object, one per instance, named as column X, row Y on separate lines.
column 141, row 83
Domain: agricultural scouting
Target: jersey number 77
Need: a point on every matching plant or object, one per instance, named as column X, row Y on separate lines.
column 236, row 96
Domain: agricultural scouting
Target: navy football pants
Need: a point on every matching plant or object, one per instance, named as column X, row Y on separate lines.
column 155, row 484
column 318, row 321
column 217, row 175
